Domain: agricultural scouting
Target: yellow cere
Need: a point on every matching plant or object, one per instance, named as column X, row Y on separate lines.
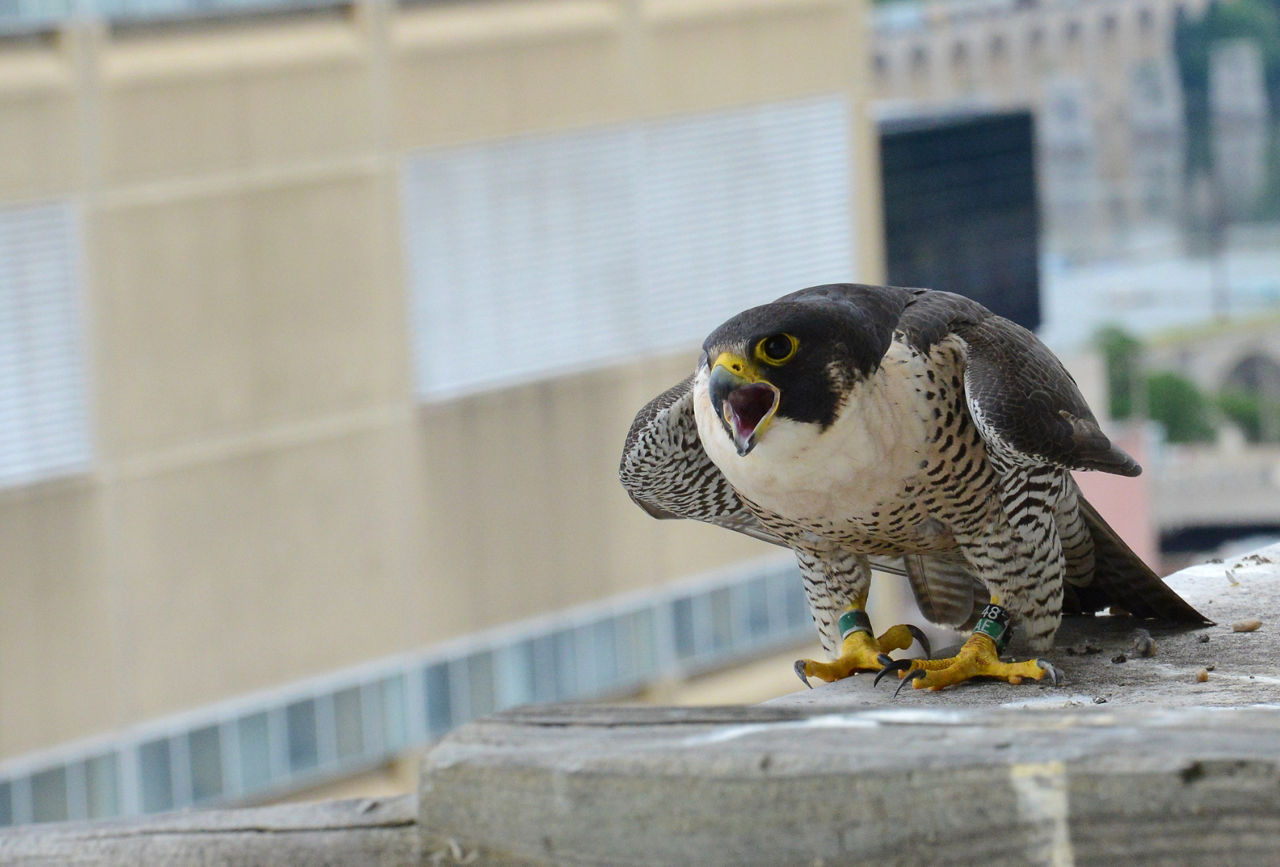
column 738, row 365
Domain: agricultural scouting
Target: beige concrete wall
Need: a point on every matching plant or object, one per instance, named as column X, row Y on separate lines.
column 267, row 499
column 59, row 631
column 39, row 151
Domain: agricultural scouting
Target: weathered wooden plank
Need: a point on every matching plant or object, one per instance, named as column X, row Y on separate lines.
column 354, row 832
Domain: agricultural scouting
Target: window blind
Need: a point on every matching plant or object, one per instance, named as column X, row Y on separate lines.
column 43, row 417
column 537, row 256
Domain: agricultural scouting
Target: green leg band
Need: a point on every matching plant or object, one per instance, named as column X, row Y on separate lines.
column 995, row 623
column 854, row 620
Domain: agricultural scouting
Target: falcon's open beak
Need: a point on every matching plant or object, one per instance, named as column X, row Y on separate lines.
column 744, row 402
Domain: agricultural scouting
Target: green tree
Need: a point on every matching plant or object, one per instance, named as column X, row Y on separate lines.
column 1193, row 40
column 1177, row 404
column 1122, row 354
column 1252, row 413
column 1244, row 410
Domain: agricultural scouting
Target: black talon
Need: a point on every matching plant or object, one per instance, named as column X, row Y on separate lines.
column 915, row 675
column 922, row 639
column 800, row 673
column 1048, row 667
column 891, row 665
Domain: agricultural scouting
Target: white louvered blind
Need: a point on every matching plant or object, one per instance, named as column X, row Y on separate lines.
column 43, row 418
column 536, row 256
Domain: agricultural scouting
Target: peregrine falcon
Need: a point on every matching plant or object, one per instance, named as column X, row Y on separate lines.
column 911, row 430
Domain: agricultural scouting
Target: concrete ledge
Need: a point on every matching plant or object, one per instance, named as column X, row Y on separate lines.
column 364, row 831
column 1146, row 760
column 790, row 786
column 1139, row 759
column 1240, row 668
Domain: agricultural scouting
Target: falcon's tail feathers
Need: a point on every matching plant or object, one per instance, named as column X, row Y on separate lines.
column 1121, row 578
column 945, row 588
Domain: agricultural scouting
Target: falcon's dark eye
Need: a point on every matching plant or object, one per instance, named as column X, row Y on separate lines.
column 777, row 349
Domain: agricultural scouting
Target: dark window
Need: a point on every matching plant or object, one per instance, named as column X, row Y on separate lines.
column 204, row 747
column 49, row 795
column 797, row 610
column 686, row 634
column 157, row 776
column 635, row 646
column 722, row 633
column 102, row 780
column 348, row 722
column 568, row 685
column 439, row 698
column 604, row 647
column 545, row 679
column 514, row 674
column 255, row 751
column 960, row 209
column 756, row 594
column 394, row 711
column 300, row 723
column 480, row 683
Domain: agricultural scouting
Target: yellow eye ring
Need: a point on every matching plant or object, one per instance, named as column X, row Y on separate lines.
column 776, row 349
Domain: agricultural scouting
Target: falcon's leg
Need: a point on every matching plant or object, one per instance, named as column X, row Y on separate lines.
column 838, row 585
column 978, row 657
column 860, row 650
column 1020, row 559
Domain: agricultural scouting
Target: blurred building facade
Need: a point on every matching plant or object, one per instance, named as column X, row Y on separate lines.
column 1011, row 53
column 320, row 331
column 1100, row 75
column 1155, row 218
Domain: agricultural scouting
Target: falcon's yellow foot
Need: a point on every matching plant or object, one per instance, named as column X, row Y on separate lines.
column 860, row 650
column 977, row 658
